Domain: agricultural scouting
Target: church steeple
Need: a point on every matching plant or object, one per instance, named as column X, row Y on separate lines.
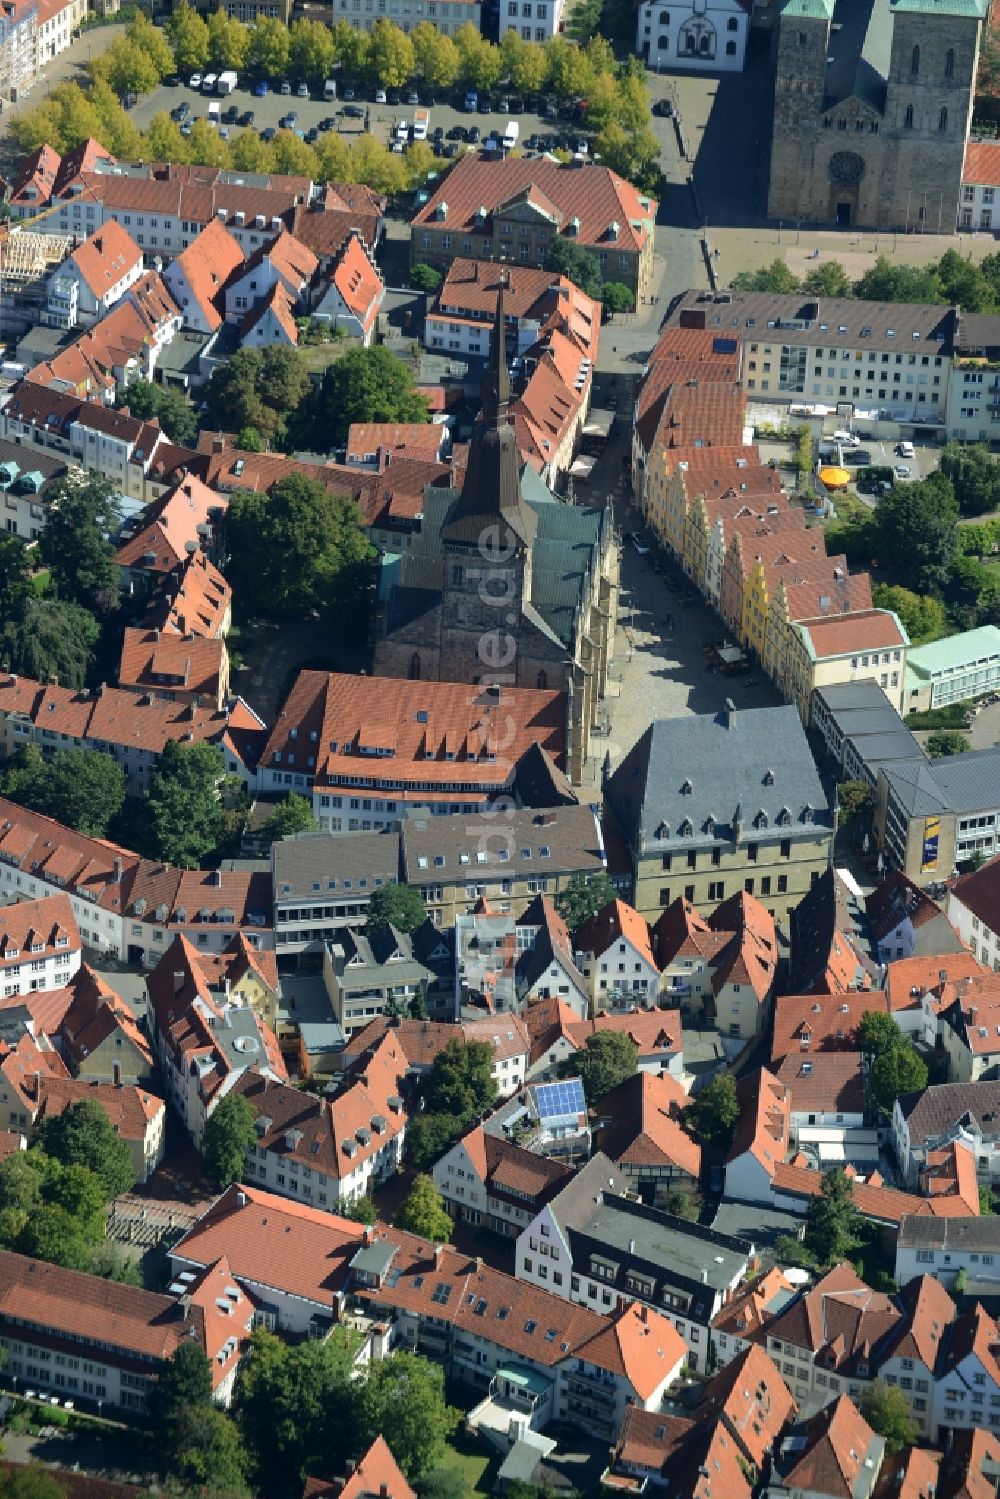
column 496, row 386
column 491, row 492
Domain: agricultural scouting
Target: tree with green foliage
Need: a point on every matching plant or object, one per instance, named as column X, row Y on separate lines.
column 297, row 1408
column 963, row 284
column 827, row 280
column 162, row 141
column 14, row 567
column 423, row 1212
column 832, row 1227
column 31, row 1482
column 362, row 1209
column 171, row 406
column 366, row 385
column 270, row 48
column 479, row 60
column 83, row 1135
column 418, row 1006
column 257, row 388
column 775, row 277
column 617, row 297
column 878, row 1033
column 111, row 1262
column 185, row 1381
column 83, row 789
column 127, row 68
column 46, row 638
column 84, row 513
column 987, row 1205
column 855, row 800
column 681, row 1200
column 230, row 1130
column 391, row 58
column 292, row 815
column 894, row 1072
column 403, row 1395
column 395, row 905
column 207, row 1454
column 889, row 1413
column 428, row 1136
column 579, row 265
column 228, row 41
column 425, row 277
column 461, row 1081
column 922, row 616
column 153, row 40
column 298, row 551
column 583, row 897
column 607, row 1059
column 712, row 1116
column 974, row 475
column 435, row 56
column 945, row 742
column 183, row 802
column 189, row 37
column 925, row 513
column 885, row 282
column 51, row 1211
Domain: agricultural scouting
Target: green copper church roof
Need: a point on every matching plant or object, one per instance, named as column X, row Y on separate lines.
column 970, row 8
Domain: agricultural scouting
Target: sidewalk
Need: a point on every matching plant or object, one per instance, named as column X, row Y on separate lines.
column 750, row 248
column 69, row 66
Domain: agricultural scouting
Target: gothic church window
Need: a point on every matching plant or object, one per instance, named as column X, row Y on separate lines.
column 949, row 63
column 943, row 120
column 915, row 62
column 908, row 118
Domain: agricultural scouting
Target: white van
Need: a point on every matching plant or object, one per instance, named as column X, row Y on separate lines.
column 905, row 449
column 209, row 82
column 330, row 89
column 510, row 135
column 214, row 114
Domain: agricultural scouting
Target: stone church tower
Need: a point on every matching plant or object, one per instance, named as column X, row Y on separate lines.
column 873, row 102
column 504, row 582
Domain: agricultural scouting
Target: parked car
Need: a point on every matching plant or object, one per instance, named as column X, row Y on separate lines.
column 474, row 135
column 195, row 81
column 449, row 150
column 456, row 133
column 246, row 118
column 311, row 136
column 288, row 121
column 353, row 111
column 302, row 92
column 186, row 128
column 230, row 115
column 858, row 457
column 268, row 134
column 327, row 123
column 413, row 97
column 224, row 133
column 848, row 437
column 663, row 108
column 485, row 107
column 348, row 95
column 261, row 89
column 901, row 471
column 380, row 96
column 393, row 95
column 286, row 87
column 504, row 106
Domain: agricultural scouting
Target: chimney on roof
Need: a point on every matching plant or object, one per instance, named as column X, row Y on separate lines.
column 118, row 869
column 438, row 1251
column 216, row 878
column 730, row 712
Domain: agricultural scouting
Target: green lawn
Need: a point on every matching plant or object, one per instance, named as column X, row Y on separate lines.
column 40, row 582
column 473, row 1459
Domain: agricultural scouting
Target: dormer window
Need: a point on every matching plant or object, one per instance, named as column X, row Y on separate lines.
column 769, row 777
column 686, row 828
column 686, row 788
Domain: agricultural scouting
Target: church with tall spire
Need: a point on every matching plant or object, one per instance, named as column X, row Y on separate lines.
column 504, row 582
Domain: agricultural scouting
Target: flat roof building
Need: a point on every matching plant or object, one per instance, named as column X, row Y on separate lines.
column 953, row 670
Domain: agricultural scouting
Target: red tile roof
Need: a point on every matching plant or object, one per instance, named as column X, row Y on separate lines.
column 37, row 930
column 613, row 922
column 594, row 195
column 639, row 1125
column 808, row 1023
column 979, row 892
column 751, row 1398
column 375, row 1474
column 837, row 1442
column 172, row 523
column 867, row 630
column 152, row 660
column 754, row 1305
column 982, row 164
column 390, row 441
column 435, row 732
column 106, row 257
column 130, row 1109
column 206, row 265
column 826, row 1082
column 763, row 1126
column 94, row 1014
column 356, row 278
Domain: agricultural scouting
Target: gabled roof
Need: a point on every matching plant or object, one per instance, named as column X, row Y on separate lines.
column 754, row 1305
column 358, row 281
column 839, row 1320
column 763, row 1126
column 96, row 1014
column 750, row 1397
column 106, row 257
column 973, row 1335
column 375, row 1474
column 130, row 1109
column 639, row 1125
column 639, row 1343
column 613, row 922
column 39, row 929
column 839, row 1443
column 824, row 1082
column 928, row 1312
column 979, row 892
column 898, row 899
column 808, row 1023
column 206, row 265
column 170, row 524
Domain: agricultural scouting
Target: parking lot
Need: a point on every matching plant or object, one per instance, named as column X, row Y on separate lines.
column 348, row 116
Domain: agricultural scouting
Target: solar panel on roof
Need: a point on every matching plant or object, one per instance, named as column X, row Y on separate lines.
column 560, row 1100
column 723, row 346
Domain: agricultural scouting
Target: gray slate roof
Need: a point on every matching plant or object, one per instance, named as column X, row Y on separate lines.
column 561, row 840
column 936, row 1111
column 955, row 783
column 973, row 1234
column 328, row 860
column 685, row 771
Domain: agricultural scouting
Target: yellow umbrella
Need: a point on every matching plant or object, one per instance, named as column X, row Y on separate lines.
column 834, row 478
